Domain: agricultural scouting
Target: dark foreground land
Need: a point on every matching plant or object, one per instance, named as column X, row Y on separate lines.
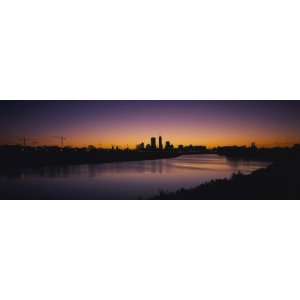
column 280, row 180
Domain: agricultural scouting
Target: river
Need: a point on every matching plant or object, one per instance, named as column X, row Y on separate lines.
column 121, row 180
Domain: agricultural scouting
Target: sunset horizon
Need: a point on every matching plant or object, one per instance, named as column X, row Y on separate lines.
column 106, row 124
column 149, row 149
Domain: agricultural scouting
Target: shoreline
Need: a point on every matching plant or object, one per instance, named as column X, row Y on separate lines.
column 37, row 160
column 280, row 180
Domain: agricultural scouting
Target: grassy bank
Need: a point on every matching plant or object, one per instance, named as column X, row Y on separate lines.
column 280, row 180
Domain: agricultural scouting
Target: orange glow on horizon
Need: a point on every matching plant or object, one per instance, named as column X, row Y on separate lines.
column 132, row 142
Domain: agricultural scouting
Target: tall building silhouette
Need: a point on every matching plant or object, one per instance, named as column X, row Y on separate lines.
column 168, row 144
column 160, row 143
column 153, row 143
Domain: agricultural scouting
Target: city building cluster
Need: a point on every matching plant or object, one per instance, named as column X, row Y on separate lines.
column 153, row 146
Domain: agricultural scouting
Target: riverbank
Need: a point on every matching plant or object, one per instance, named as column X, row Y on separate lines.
column 31, row 158
column 278, row 181
column 120, row 180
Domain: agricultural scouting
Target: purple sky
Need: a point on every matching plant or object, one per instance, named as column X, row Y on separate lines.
column 211, row 123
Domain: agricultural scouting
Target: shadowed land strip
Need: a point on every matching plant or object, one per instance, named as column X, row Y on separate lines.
column 280, row 180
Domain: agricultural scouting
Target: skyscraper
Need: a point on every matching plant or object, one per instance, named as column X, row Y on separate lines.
column 168, row 144
column 153, row 143
column 160, row 143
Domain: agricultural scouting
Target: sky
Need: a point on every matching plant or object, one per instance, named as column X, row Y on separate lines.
column 122, row 123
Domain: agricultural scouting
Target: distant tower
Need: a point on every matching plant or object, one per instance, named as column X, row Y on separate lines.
column 160, row 143
column 153, row 143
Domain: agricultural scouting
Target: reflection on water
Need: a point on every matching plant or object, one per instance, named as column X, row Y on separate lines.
column 122, row 180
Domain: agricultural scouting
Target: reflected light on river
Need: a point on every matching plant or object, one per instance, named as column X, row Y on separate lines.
column 121, row 180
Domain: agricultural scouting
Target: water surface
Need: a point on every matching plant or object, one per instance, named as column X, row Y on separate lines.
column 121, row 180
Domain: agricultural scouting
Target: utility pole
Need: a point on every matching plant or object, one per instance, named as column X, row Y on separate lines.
column 62, row 139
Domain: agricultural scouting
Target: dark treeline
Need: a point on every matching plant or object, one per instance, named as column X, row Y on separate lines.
column 20, row 156
column 278, row 181
column 254, row 153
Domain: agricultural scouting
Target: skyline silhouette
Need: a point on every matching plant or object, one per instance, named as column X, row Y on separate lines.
column 125, row 124
column 149, row 149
